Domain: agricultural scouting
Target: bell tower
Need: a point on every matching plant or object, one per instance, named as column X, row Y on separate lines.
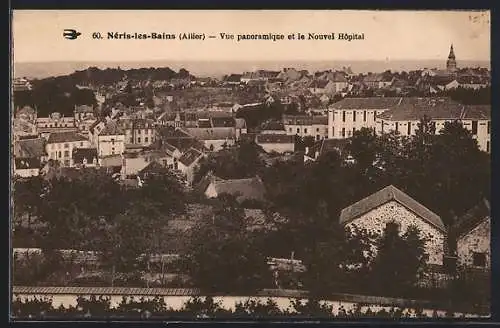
column 451, row 63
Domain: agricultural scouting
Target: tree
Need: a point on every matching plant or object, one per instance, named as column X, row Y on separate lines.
column 364, row 148
column 242, row 161
column 27, row 199
column 399, row 261
column 224, row 256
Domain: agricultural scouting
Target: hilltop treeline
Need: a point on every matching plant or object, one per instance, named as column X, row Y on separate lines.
column 61, row 94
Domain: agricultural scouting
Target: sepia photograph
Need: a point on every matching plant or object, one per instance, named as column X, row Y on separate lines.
column 250, row 164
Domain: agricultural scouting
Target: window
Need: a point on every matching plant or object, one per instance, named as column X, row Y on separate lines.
column 474, row 127
column 66, row 162
column 397, row 126
column 374, row 115
column 298, row 130
column 305, row 130
column 81, row 144
column 479, row 259
column 317, row 129
column 333, row 130
column 487, row 146
column 290, row 130
column 343, row 116
column 409, row 128
column 364, row 116
column 66, row 153
column 354, row 116
column 138, row 139
column 113, row 151
column 489, row 127
column 353, row 130
column 59, row 154
column 146, row 139
column 343, row 132
column 66, row 145
column 112, row 141
column 317, row 137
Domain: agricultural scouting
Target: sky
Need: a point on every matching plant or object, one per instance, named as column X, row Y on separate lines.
column 388, row 35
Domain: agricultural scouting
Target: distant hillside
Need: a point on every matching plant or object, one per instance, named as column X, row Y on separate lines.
column 60, row 94
column 220, row 68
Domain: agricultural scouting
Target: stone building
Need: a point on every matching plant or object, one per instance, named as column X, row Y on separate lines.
column 390, row 204
column 473, row 232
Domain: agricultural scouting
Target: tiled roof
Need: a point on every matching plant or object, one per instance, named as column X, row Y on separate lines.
column 190, row 156
column 168, row 147
column 274, row 138
column 212, row 133
column 153, row 168
column 106, row 291
column 435, row 108
column 390, row 193
column 320, row 119
column 243, row 189
column 472, row 218
column 319, row 84
column 27, row 163
column 112, row 161
column 328, row 145
column 79, row 154
column 477, row 112
column 366, row 103
column 33, row 148
column 71, row 136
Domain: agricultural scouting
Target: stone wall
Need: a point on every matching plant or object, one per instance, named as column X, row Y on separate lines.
column 376, row 220
column 477, row 240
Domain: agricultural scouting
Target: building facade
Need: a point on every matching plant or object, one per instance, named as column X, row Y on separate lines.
column 406, row 117
column 315, row 126
column 138, row 131
column 351, row 114
column 111, row 141
column 60, row 146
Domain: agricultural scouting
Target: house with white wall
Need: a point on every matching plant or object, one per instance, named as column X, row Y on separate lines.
column 351, row 114
column 406, row 117
column 60, row 146
column 111, row 140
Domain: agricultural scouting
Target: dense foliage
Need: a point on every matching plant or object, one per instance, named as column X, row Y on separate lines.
column 207, row 308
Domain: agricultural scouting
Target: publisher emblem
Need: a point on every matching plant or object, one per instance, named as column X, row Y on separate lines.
column 71, row 34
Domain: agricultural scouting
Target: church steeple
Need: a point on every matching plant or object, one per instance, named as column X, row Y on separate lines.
column 451, row 63
column 452, row 54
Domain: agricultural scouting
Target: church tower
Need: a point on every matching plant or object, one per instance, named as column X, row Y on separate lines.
column 451, row 63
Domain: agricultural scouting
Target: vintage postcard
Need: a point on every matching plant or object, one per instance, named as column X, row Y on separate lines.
column 250, row 164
